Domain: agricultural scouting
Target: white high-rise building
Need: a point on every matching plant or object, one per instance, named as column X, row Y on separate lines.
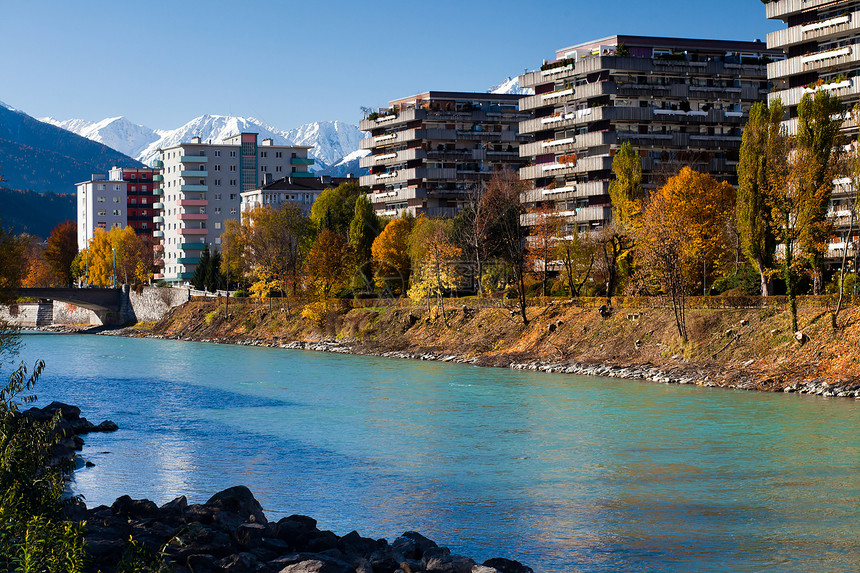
column 203, row 183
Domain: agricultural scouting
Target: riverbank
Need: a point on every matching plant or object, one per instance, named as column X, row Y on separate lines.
column 750, row 349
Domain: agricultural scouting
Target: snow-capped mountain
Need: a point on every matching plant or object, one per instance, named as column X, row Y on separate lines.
column 115, row 132
column 348, row 165
column 331, row 140
column 511, row 86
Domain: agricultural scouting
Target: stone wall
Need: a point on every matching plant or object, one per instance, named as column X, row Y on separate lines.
column 149, row 304
column 66, row 313
column 27, row 314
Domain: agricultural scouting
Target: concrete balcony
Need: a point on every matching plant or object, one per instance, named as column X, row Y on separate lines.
column 567, row 191
column 194, row 159
column 188, row 260
column 158, row 164
column 301, row 161
column 302, row 174
column 829, row 60
column 192, row 246
column 158, row 191
column 158, row 205
column 158, row 219
column 193, row 173
column 408, row 135
column 193, row 217
column 192, row 231
column 812, row 32
column 192, row 202
column 583, row 165
column 398, row 195
column 386, row 120
column 843, row 90
column 194, row 188
column 405, row 175
column 782, row 9
column 392, row 158
column 158, row 233
column 158, row 177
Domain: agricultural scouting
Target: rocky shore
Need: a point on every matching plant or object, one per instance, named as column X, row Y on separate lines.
column 230, row 533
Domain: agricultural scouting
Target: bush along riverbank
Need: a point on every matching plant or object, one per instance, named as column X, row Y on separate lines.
column 751, row 349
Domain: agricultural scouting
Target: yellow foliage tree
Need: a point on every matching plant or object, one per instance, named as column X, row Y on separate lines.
column 133, row 257
column 433, row 254
column 686, row 224
column 390, row 254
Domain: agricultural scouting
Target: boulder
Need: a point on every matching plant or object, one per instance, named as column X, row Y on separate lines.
column 296, row 530
column 134, row 508
column 250, row 535
column 238, row 563
column 503, row 565
column 236, row 505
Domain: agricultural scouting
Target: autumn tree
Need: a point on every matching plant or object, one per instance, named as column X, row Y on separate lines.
column 132, row 255
column 686, row 224
column 329, row 265
column 577, row 255
column 473, row 233
column 503, row 208
column 433, row 255
column 390, row 254
column 61, row 250
column 850, row 169
column 541, row 243
column 334, row 209
column 363, row 230
column 818, row 124
column 625, row 190
column 236, row 255
column 38, row 273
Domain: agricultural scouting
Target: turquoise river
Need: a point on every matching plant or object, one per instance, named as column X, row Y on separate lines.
column 563, row 473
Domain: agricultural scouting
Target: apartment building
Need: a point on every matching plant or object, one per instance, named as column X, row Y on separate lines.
column 203, row 184
column 302, row 191
column 122, row 197
column 677, row 101
column 822, row 44
column 430, row 151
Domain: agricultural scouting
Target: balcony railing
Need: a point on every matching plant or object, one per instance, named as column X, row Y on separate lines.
column 193, row 159
column 190, row 173
column 782, row 9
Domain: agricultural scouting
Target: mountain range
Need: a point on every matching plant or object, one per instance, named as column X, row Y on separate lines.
column 331, row 140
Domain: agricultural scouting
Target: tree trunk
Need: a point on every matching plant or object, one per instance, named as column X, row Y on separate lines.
column 842, row 270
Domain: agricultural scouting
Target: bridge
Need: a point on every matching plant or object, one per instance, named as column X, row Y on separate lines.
column 110, row 305
column 95, row 299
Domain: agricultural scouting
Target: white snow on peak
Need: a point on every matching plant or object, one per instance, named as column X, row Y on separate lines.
column 511, row 85
column 115, row 132
column 330, row 140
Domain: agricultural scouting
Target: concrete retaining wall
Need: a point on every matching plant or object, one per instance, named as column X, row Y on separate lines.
column 149, row 304
column 27, row 314
column 66, row 313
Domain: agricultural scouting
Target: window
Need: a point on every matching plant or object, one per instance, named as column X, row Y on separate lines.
column 217, row 168
column 144, row 225
column 143, row 188
column 101, row 225
column 217, row 153
column 116, row 187
column 263, row 154
column 232, row 168
column 116, row 199
column 263, row 168
column 217, row 210
column 217, row 225
column 232, row 210
column 202, row 210
column 102, row 213
column 101, row 199
column 279, row 154
column 133, row 201
column 117, row 212
column 132, row 188
column 217, row 240
column 233, row 198
column 217, row 196
column 232, row 154
column 294, row 170
column 233, row 182
column 293, row 155
column 277, row 168
column 217, row 182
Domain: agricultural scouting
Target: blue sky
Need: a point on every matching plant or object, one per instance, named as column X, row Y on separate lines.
column 162, row 63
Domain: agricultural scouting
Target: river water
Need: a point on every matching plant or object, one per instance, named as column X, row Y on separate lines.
column 564, row 473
